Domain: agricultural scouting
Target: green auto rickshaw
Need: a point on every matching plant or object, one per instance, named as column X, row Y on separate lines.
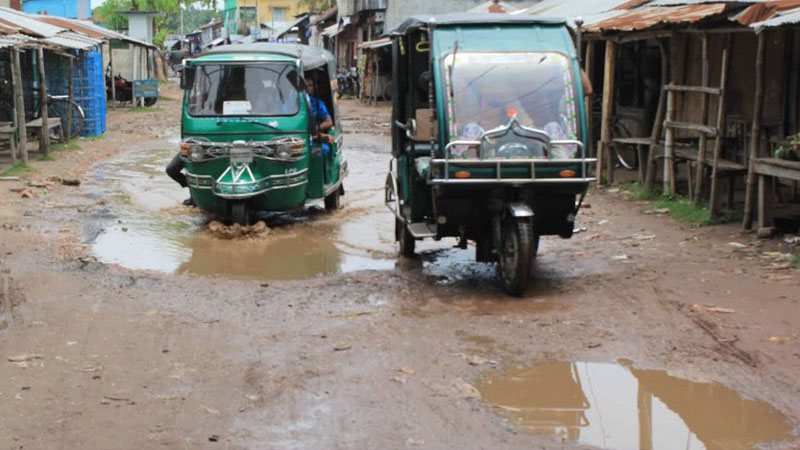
column 251, row 140
column 488, row 136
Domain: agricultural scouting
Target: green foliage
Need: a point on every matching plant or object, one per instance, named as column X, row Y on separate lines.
column 106, row 13
column 796, row 261
column 789, row 151
column 18, row 169
column 47, row 158
column 641, row 193
column 683, row 209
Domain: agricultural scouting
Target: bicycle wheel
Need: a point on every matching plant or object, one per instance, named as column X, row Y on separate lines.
column 626, row 155
column 64, row 109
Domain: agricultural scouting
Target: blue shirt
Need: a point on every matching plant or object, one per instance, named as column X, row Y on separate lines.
column 318, row 110
column 319, row 113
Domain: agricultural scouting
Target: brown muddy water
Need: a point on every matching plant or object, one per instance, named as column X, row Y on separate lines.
column 145, row 227
column 619, row 406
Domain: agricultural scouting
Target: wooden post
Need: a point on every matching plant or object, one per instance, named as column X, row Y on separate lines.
column 669, row 147
column 19, row 99
column 608, row 103
column 588, row 64
column 44, row 139
column 755, row 134
column 67, row 134
column 134, row 51
column 15, row 80
column 723, row 87
column 113, row 83
column 658, row 124
column 701, row 157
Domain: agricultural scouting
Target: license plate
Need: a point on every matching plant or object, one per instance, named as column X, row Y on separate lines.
column 241, row 155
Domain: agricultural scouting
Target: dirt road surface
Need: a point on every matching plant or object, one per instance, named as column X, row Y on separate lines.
column 127, row 325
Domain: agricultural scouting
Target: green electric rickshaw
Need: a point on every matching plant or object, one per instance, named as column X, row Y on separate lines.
column 250, row 140
column 488, row 136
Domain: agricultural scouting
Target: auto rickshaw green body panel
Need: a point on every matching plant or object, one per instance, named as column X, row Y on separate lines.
column 268, row 180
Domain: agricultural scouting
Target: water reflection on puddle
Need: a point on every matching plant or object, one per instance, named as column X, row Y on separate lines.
column 151, row 231
column 615, row 406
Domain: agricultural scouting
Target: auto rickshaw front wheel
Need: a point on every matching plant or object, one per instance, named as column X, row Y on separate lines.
column 333, row 201
column 515, row 259
column 404, row 237
column 240, row 213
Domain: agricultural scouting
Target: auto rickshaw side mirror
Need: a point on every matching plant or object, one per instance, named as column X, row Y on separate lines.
column 187, row 76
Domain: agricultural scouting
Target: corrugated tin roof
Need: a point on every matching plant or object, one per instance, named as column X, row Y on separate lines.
column 774, row 13
column 72, row 40
column 90, row 29
column 651, row 16
column 28, row 23
column 14, row 40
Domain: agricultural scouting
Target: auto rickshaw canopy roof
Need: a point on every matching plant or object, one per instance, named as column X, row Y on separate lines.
column 456, row 19
column 311, row 57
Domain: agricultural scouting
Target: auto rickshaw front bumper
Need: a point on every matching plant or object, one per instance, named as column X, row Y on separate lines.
column 245, row 184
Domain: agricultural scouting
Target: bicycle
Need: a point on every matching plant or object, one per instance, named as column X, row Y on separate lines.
column 60, row 106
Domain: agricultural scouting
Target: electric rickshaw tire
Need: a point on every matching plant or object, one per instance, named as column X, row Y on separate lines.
column 333, row 200
column 405, row 239
column 515, row 256
column 240, row 213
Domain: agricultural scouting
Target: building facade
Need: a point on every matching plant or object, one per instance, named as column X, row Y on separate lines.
column 72, row 9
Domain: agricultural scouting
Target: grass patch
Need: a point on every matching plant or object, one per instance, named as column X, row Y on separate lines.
column 641, row 193
column 18, row 169
column 66, row 146
column 163, row 98
column 92, row 138
column 47, row 158
column 796, row 261
column 138, row 109
column 685, row 210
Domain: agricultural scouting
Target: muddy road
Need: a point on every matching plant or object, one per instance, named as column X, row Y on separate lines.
column 127, row 324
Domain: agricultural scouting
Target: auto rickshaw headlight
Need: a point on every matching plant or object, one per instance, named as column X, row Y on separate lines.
column 284, row 151
column 197, row 153
column 565, row 151
column 298, row 148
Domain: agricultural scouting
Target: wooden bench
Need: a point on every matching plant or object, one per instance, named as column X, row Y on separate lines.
column 35, row 126
column 773, row 168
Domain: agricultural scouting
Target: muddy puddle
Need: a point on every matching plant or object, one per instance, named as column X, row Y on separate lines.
column 145, row 227
column 618, row 406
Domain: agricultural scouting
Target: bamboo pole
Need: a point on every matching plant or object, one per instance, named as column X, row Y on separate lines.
column 71, row 93
column 701, row 157
column 608, row 96
column 755, row 134
column 723, row 87
column 19, row 99
column 658, row 124
column 44, row 139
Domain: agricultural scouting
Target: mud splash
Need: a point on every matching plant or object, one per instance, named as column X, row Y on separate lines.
column 617, row 406
column 149, row 230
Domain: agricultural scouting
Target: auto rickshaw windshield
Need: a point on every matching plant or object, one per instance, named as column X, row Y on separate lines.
column 488, row 89
column 244, row 90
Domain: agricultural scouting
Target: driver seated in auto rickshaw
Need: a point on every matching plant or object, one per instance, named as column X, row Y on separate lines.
column 319, row 112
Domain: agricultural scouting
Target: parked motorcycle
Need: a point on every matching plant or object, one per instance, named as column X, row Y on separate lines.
column 347, row 83
column 123, row 89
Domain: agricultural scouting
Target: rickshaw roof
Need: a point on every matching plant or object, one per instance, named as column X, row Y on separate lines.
column 312, row 57
column 456, row 19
